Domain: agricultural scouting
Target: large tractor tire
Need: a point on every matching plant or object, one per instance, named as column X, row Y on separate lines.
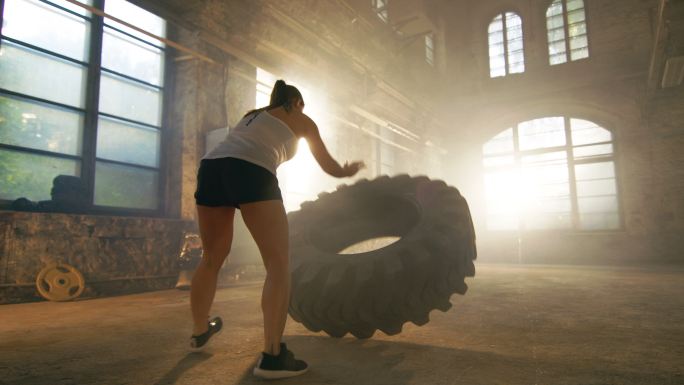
column 384, row 288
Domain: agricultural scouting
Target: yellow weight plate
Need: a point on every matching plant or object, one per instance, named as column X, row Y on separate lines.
column 60, row 282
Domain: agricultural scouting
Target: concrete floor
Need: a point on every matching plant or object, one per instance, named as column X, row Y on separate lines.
column 516, row 325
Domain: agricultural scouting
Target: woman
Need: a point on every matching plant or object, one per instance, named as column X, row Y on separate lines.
column 240, row 173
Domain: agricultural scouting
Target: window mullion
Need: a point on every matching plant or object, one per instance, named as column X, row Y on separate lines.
column 67, row 10
column 43, row 51
column 92, row 102
column 132, row 79
column 2, row 12
column 505, row 42
column 597, row 159
column 566, row 29
column 147, row 43
column 42, row 101
column 618, row 189
column 517, row 161
column 164, row 205
column 572, row 182
column 36, row 151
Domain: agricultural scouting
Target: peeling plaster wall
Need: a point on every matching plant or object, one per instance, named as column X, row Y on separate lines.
column 114, row 254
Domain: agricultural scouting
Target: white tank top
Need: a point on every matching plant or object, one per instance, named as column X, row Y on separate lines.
column 259, row 138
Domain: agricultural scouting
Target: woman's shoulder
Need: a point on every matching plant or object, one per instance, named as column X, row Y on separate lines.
column 297, row 121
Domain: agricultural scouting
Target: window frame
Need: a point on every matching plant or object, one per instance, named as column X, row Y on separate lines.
column 430, row 57
column 91, row 114
column 381, row 12
column 566, row 27
column 568, row 147
column 505, row 41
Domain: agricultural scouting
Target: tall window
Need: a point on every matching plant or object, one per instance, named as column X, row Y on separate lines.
column 81, row 97
column 430, row 49
column 567, row 31
column 380, row 9
column 551, row 173
column 265, row 81
column 506, row 53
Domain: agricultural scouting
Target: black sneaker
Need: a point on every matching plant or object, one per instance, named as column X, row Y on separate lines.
column 281, row 366
column 197, row 343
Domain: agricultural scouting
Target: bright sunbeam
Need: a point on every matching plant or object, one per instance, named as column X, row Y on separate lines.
column 297, row 177
column 301, row 178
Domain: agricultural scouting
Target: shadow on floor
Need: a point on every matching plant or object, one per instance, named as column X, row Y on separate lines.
column 190, row 360
column 374, row 362
column 350, row 361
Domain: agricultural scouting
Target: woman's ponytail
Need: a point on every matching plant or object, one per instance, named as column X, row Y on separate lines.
column 283, row 95
column 279, row 94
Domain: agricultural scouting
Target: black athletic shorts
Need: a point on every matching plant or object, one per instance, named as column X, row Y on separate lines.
column 232, row 182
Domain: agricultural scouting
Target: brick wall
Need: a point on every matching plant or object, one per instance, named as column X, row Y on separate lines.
column 340, row 48
column 611, row 87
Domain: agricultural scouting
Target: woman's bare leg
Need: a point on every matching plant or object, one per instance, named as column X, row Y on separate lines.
column 267, row 222
column 216, row 231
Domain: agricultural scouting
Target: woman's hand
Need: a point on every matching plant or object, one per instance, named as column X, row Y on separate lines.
column 350, row 169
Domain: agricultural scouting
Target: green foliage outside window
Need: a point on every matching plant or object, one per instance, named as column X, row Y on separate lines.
column 25, row 174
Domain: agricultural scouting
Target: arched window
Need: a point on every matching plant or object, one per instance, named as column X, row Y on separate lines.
column 567, row 31
column 551, row 173
column 506, row 55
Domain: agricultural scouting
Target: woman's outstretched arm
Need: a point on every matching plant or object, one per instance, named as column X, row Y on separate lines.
column 321, row 154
